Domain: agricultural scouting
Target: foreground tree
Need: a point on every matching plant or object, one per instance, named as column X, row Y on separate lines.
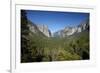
column 25, row 52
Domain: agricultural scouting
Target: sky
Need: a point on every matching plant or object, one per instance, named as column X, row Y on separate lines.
column 56, row 20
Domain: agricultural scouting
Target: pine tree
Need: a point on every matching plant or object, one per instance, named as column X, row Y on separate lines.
column 25, row 52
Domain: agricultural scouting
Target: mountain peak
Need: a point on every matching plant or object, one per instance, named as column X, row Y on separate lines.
column 36, row 28
column 67, row 31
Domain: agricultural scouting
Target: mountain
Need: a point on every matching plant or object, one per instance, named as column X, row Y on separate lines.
column 44, row 29
column 39, row 29
column 39, row 48
column 67, row 31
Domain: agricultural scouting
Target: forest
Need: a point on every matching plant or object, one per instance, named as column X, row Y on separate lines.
column 39, row 48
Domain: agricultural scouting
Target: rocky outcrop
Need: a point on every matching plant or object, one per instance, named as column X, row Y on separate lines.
column 44, row 29
column 36, row 28
column 67, row 31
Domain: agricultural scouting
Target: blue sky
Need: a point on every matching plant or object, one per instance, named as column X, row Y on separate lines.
column 56, row 20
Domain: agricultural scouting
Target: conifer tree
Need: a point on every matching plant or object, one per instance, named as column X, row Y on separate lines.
column 25, row 52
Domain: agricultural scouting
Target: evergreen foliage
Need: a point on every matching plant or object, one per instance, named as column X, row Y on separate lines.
column 38, row 48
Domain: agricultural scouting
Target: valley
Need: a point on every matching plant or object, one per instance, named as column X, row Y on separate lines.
column 38, row 44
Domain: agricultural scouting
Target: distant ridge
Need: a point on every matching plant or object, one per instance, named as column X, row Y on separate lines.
column 67, row 31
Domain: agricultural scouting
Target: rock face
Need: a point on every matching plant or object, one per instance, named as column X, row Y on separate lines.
column 39, row 29
column 44, row 29
column 67, row 31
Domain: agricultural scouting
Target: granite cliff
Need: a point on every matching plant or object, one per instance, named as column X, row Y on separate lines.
column 67, row 31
